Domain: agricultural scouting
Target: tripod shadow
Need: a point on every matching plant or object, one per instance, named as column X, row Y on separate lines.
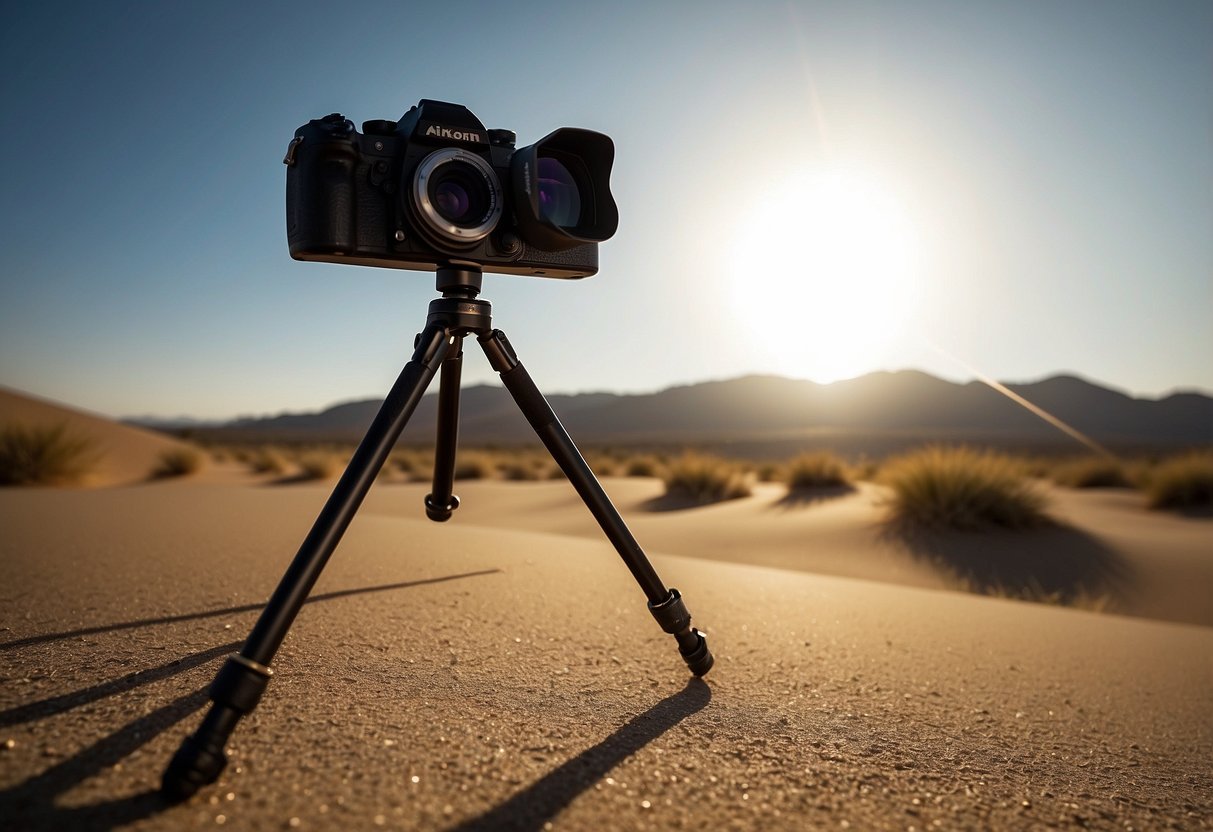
column 31, row 805
column 65, row 702
column 194, row 616
column 548, row 796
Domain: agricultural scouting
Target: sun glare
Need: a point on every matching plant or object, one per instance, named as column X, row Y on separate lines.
column 824, row 275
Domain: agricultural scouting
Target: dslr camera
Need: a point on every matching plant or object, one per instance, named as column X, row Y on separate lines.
column 437, row 189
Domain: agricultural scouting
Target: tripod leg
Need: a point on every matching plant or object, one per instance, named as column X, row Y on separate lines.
column 243, row 678
column 440, row 502
column 666, row 605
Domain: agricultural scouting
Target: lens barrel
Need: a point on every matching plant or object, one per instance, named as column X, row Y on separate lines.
column 456, row 197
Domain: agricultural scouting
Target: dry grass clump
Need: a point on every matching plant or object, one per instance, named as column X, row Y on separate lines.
column 177, row 462
column 266, row 461
column 644, row 465
column 524, row 467
column 705, row 479
column 318, row 465
column 1091, row 472
column 474, row 466
column 1184, row 482
column 961, row 488
column 771, row 472
column 816, row 469
column 43, row 455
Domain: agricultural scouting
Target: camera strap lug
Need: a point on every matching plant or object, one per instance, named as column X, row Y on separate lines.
column 289, row 159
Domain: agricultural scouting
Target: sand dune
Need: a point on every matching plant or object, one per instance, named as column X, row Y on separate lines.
column 124, row 454
column 1110, row 552
column 466, row 676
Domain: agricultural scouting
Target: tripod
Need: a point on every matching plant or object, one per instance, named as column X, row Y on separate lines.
column 457, row 314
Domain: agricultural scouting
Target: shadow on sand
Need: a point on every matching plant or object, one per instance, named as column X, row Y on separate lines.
column 1056, row 563
column 805, row 497
column 32, row 804
column 538, row 803
column 194, row 616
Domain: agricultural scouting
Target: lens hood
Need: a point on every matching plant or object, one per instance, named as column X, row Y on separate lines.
column 587, row 157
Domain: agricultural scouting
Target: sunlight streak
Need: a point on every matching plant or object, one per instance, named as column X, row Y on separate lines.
column 1072, row 432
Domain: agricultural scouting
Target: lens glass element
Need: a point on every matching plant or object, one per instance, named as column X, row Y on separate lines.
column 460, row 194
column 452, row 200
column 559, row 199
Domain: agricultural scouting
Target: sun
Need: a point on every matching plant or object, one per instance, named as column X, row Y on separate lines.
column 824, row 274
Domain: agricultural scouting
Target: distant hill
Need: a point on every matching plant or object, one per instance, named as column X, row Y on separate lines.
column 766, row 415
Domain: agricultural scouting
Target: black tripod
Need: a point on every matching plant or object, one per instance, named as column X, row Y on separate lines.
column 457, row 314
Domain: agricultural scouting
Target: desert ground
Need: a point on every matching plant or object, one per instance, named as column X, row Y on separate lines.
column 500, row 671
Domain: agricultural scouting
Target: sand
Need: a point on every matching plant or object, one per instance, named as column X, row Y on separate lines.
column 482, row 675
column 501, row 671
column 122, row 454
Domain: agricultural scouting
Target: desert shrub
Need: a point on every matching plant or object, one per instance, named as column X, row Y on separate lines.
column 770, row 472
column 474, row 466
column 642, row 466
column 266, row 461
column 522, row 470
column 602, row 464
column 961, row 488
column 705, row 479
column 1184, row 482
column 43, row 455
column 1091, row 472
column 318, row 465
column 817, row 469
column 177, row 462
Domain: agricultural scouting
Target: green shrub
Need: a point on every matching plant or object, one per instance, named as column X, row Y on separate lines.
column 960, row 488
column 818, row 469
column 177, row 462
column 705, row 479
column 43, row 455
column 1091, row 472
column 1185, row 482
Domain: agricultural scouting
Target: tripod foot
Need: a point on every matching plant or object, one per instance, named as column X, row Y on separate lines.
column 201, row 758
column 674, row 618
column 196, row 764
column 438, row 512
column 700, row 659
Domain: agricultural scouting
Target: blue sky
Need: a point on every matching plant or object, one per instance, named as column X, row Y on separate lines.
column 1030, row 191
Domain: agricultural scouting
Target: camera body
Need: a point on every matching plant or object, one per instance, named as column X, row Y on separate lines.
column 437, row 189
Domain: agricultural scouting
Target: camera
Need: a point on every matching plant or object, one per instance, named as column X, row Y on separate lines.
column 437, row 189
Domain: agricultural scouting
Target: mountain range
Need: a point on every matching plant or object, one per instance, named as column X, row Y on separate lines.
column 768, row 415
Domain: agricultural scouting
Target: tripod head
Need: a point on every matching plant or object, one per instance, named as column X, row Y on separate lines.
column 460, row 280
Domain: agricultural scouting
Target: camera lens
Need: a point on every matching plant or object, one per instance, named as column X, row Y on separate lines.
column 456, row 196
column 452, row 201
column 559, row 198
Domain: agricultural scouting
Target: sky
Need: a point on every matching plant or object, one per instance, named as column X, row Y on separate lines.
column 814, row 190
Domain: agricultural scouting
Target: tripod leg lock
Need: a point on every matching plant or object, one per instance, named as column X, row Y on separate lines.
column 673, row 617
column 240, row 683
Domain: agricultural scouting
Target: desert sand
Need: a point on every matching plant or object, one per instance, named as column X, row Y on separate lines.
column 123, row 454
column 500, row 671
